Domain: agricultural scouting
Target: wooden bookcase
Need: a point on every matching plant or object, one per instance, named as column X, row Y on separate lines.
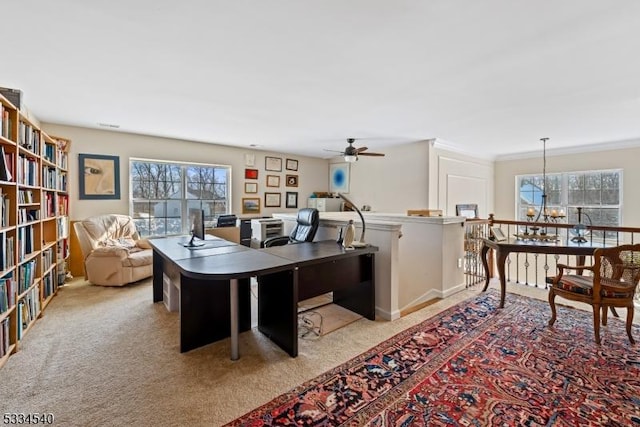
column 34, row 228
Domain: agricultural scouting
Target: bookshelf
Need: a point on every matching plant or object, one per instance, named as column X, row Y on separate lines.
column 34, row 223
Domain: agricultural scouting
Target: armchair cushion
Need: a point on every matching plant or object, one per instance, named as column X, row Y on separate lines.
column 113, row 253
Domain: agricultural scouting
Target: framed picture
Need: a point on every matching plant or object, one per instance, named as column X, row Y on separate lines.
column 251, row 174
column 498, row 234
column 292, row 165
column 250, row 187
column 292, row 199
column 469, row 211
column 273, row 181
column 273, row 164
column 250, row 160
column 272, row 200
column 251, row 205
column 339, row 177
column 100, row 178
column 292, row 180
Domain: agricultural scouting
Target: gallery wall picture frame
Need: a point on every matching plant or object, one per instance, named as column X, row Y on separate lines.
column 251, row 174
column 250, row 160
column 291, row 180
column 498, row 234
column 272, row 200
column 273, row 164
column 100, row 177
column 273, row 181
column 250, row 187
column 468, row 210
column 292, row 199
column 339, row 177
column 250, row 205
column 291, row 165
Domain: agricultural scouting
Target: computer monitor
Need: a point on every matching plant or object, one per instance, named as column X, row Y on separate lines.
column 196, row 219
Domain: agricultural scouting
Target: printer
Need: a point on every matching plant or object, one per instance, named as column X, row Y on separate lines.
column 264, row 228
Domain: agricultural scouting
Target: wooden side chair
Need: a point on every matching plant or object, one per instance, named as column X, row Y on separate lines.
column 612, row 283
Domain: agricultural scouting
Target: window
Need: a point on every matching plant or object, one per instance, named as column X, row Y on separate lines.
column 163, row 192
column 599, row 193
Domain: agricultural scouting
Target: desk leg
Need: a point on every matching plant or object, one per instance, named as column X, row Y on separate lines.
column 233, row 284
column 278, row 309
column 485, row 264
column 501, row 260
column 158, row 269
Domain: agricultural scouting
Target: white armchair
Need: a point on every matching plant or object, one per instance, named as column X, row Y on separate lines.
column 114, row 254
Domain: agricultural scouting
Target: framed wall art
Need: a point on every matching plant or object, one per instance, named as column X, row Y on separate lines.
column 469, row 211
column 291, row 165
column 273, row 164
column 251, row 205
column 272, row 200
column 100, row 177
column 339, row 177
column 251, row 174
column 250, row 187
column 273, row 181
column 292, row 180
column 292, row 199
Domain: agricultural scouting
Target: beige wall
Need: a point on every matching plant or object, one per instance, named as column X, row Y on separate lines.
column 394, row 183
column 625, row 159
column 313, row 173
column 456, row 178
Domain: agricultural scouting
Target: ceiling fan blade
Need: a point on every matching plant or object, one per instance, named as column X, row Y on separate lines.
column 371, row 154
column 361, row 149
column 334, row 151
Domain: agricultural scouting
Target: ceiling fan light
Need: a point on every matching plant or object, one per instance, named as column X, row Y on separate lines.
column 349, row 158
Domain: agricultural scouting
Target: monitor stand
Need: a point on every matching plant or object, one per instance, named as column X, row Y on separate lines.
column 358, row 244
column 191, row 244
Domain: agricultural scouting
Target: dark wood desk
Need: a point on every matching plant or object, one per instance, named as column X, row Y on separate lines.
column 505, row 247
column 320, row 267
column 215, row 291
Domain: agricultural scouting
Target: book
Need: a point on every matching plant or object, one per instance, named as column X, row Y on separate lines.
column 5, row 172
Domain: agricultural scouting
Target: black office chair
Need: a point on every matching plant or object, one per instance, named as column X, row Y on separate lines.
column 304, row 231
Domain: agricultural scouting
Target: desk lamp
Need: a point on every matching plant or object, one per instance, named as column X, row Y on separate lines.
column 356, row 243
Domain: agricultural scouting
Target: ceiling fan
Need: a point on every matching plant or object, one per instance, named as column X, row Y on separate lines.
column 352, row 153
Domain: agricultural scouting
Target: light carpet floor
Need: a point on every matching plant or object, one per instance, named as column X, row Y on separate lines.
column 110, row 357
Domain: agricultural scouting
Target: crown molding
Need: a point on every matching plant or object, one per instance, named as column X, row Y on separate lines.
column 578, row 149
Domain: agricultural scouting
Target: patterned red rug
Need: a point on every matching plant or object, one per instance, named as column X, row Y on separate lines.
column 475, row 365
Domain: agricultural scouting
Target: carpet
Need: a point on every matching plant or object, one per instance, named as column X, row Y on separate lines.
column 476, row 365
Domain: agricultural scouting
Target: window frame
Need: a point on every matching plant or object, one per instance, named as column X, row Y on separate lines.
column 185, row 201
column 569, row 208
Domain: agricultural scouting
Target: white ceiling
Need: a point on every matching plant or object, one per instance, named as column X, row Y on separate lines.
column 488, row 77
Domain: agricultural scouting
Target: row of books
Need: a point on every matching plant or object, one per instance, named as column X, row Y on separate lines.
column 63, row 160
column 49, row 284
column 7, row 252
column 5, row 129
column 50, row 177
column 5, row 204
column 63, row 228
column 4, row 337
column 26, row 275
column 25, row 241
column 29, row 137
column 49, row 205
column 6, row 165
column 27, row 171
column 28, row 309
column 48, row 258
column 7, row 293
column 25, row 196
column 63, row 204
column 50, row 152
column 63, row 249
column 28, row 215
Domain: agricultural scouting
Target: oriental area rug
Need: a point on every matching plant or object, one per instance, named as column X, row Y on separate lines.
column 476, row 365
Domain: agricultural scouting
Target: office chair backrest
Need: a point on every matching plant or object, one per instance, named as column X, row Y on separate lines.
column 305, row 230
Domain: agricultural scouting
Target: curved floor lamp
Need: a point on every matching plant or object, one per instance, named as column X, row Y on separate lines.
column 356, row 243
